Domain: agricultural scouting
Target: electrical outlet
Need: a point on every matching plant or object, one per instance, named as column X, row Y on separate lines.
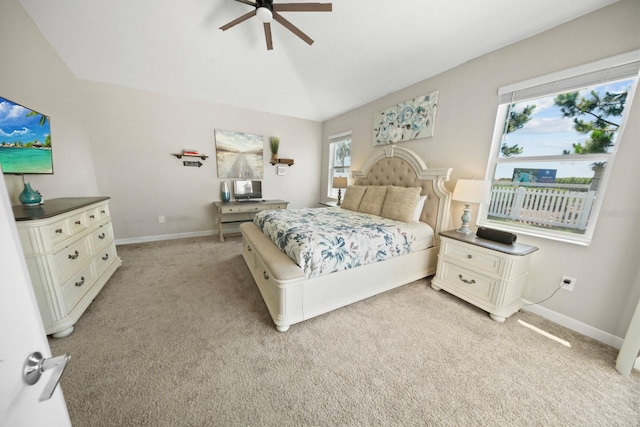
column 161, row 219
column 568, row 283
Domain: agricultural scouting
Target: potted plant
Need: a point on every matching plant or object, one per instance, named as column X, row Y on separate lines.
column 275, row 144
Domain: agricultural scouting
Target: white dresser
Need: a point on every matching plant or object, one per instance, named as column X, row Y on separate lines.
column 487, row 274
column 70, row 253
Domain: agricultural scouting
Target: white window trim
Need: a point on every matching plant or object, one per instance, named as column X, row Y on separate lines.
column 608, row 69
column 339, row 137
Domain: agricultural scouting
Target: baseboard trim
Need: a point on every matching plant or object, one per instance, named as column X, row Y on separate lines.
column 146, row 239
column 574, row 325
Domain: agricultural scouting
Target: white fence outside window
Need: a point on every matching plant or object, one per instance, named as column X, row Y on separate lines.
column 561, row 205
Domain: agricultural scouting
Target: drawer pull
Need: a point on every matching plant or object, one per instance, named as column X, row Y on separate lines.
column 92, row 216
column 81, row 282
column 58, row 230
column 75, row 255
column 248, row 248
column 102, row 236
column 468, row 282
column 105, row 257
column 103, row 211
column 469, row 256
column 78, row 222
column 265, row 275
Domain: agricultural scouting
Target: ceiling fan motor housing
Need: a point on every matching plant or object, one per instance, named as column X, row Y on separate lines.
column 264, row 3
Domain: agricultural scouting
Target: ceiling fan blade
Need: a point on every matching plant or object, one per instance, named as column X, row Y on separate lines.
column 295, row 30
column 238, row 20
column 250, row 3
column 267, row 35
column 302, row 7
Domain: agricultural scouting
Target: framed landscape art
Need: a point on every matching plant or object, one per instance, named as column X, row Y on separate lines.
column 239, row 155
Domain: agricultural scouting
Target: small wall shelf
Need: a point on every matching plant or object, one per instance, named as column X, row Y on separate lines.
column 288, row 162
column 202, row 156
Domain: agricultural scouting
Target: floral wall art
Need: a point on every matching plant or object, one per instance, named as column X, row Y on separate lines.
column 408, row 120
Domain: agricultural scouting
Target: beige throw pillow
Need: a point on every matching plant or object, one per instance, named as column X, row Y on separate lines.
column 373, row 200
column 352, row 197
column 400, row 203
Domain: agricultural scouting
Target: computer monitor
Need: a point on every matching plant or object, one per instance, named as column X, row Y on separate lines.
column 247, row 190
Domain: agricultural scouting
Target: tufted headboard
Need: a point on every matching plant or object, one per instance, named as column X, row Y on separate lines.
column 402, row 167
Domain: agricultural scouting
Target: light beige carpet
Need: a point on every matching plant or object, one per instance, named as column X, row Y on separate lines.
column 180, row 336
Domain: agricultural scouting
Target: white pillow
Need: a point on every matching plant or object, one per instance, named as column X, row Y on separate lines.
column 418, row 210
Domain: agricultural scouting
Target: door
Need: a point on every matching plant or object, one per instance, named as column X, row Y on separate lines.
column 21, row 333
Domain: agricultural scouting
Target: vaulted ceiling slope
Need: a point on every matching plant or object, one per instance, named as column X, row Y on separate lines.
column 363, row 50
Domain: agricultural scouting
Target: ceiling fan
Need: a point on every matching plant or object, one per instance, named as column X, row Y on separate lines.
column 265, row 10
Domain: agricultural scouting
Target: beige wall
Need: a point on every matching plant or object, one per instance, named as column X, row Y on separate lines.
column 134, row 132
column 605, row 294
column 33, row 75
column 116, row 142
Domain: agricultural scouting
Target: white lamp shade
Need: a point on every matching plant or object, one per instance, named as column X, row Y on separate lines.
column 264, row 14
column 472, row 191
column 339, row 182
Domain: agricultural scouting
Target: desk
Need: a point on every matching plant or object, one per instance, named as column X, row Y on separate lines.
column 237, row 212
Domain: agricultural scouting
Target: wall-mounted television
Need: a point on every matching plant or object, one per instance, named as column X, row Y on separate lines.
column 25, row 140
column 247, row 190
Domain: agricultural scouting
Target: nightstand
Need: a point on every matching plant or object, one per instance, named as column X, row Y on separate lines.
column 487, row 274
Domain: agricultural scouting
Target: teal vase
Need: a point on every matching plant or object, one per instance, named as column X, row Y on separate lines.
column 29, row 197
column 225, row 194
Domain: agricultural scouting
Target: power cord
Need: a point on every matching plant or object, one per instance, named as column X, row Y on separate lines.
column 554, row 292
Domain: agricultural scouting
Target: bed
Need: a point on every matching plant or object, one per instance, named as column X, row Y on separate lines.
column 294, row 291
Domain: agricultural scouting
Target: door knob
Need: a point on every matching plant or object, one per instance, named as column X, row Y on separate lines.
column 35, row 365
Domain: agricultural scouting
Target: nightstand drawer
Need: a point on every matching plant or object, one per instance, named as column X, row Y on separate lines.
column 471, row 256
column 467, row 282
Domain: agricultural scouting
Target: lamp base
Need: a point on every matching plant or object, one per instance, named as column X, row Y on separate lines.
column 466, row 216
column 339, row 196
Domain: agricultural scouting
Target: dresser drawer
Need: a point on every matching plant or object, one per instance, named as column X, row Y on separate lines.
column 104, row 258
column 71, row 258
column 74, row 289
column 471, row 256
column 78, row 223
column 102, row 236
column 59, row 231
column 467, row 282
column 97, row 214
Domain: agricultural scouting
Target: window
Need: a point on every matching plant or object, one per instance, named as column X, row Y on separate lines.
column 339, row 160
column 553, row 148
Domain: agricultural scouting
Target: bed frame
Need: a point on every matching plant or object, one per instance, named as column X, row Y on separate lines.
column 292, row 298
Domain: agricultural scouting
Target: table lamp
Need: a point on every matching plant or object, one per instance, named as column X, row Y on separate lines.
column 339, row 182
column 470, row 191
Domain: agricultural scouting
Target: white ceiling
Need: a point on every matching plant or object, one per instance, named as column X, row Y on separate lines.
column 363, row 50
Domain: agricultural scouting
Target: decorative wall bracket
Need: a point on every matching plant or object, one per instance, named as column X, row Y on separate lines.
column 202, row 156
column 288, row 162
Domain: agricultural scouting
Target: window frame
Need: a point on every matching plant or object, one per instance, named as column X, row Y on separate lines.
column 333, row 141
column 614, row 68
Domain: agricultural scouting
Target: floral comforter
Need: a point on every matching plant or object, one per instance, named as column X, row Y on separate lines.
column 322, row 241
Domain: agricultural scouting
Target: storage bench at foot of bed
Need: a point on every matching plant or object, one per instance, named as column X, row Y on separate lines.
column 292, row 298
